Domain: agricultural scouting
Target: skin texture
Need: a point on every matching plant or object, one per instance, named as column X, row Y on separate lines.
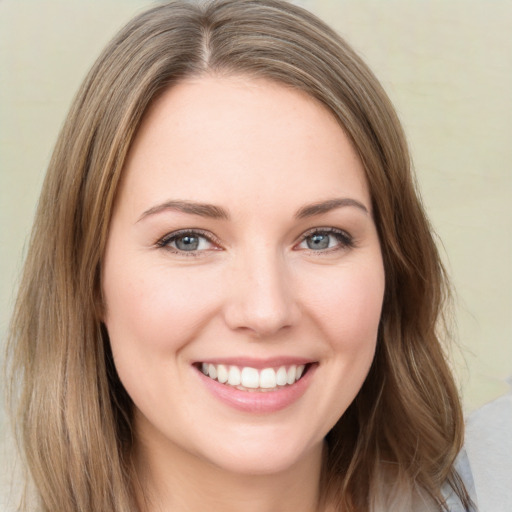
column 253, row 288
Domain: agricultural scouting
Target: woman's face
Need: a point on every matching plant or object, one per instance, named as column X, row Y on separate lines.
column 242, row 245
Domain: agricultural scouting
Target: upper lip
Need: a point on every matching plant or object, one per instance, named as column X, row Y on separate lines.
column 257, row 363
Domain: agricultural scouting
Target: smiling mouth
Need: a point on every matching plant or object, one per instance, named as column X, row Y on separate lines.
column 252, row 379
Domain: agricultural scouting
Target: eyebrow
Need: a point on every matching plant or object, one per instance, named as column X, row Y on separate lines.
column 190, row 207
column 326, row 206
column 217, row 212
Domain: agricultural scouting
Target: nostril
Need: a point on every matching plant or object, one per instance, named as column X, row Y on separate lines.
column 261, row 322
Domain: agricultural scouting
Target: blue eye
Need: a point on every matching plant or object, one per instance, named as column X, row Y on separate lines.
column 325, row 239
column 186, row 242
column 319, row 241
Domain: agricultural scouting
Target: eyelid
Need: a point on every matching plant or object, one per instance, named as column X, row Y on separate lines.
column 346, row 240
column 173, row 235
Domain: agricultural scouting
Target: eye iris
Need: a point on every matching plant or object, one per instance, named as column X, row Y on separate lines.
column 187, row 243
column 318, row 241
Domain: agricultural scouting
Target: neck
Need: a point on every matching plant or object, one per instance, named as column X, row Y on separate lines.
column 179, row 481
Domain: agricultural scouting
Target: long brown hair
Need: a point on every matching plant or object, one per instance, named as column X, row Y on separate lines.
column 398, row 439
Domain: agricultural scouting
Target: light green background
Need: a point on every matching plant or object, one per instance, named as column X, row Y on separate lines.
column 447, row 65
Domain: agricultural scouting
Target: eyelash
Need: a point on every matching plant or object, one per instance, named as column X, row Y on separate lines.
column 166, row 240
column 345, row 241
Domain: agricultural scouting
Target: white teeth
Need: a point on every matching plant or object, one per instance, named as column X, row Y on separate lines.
column 222, row 374
column 251, row 378
column 290, row 377
column 234, row 376
column 212, row 371
column 267, row 378
column 281, row 376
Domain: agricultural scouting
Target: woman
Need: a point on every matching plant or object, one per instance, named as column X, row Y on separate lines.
column 232, row 295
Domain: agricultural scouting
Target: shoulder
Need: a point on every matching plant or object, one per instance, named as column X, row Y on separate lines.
column 489, row 453
column 485, row 463
column 463, row 469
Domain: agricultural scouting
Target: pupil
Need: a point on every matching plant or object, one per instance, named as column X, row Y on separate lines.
column 187, row 243
column 318, row 241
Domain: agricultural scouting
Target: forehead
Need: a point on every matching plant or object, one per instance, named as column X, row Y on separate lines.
column 215, row 138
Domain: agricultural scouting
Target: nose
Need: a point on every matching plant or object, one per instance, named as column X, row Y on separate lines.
column 260, row 296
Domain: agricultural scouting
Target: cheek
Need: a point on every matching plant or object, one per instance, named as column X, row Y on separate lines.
column 156, row 308
column 347, row 313
column 347, row 306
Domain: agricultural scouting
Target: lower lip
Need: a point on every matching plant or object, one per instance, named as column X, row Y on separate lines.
column 259, row 402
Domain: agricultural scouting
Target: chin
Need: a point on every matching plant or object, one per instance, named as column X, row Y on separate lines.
column 265, row 457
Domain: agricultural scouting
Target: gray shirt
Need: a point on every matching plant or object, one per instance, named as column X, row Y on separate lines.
column 485, row 464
